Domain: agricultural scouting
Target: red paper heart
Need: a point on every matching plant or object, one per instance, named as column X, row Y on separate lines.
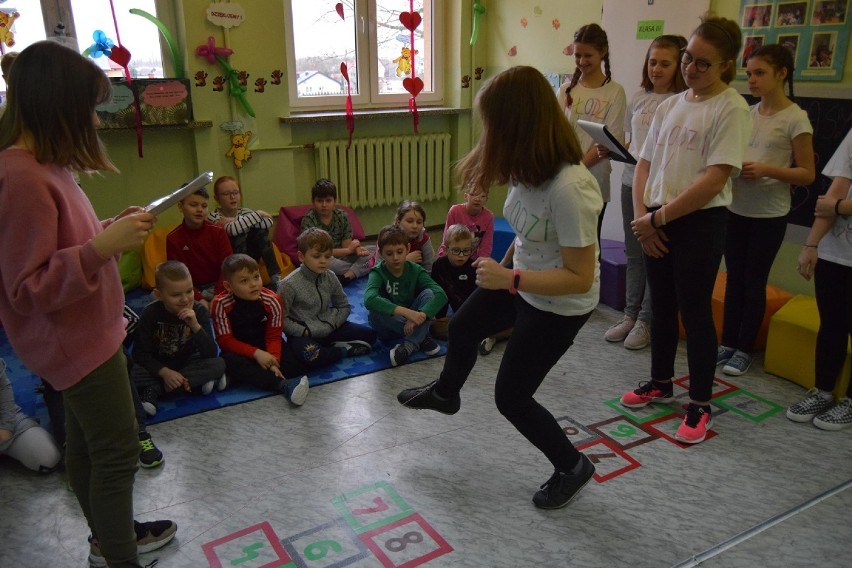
column 410, row 20
column 344, row 71
column 513, row 51
column 120, row 55
column 339, row 8
column 413, row 86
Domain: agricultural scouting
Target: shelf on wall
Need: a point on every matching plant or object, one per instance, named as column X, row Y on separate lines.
column 195, row 124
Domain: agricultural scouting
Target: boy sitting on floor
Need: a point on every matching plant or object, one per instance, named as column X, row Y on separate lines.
column 248, row 229
column 200, row 245
column 401, row 298
column 173, row 349
column 248, row 320
column 350, row 260
column 316, row 308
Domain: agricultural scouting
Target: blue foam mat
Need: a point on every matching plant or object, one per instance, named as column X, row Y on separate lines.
column 24, row 383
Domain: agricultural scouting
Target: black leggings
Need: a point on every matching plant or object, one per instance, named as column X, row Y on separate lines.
column 538, row 341
column 682, row 280
column 750, row 248
column 833, row 287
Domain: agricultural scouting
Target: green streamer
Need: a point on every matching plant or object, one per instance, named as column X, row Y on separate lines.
column 478, row 10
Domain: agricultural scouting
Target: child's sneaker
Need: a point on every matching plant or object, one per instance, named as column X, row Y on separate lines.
column 695, row 424
column 619, row 330
column 837, row 418
column 149, row 398
column 724, row 354
column 222, row 383
column 424, row 398
column 738, row 364
column 647, row 393
column 809, row 407
column 401, row 353
column 429, row 346
column 207, row 387
column 354, row 348
column 562, row 487
column 298, row 389
column 639, row 337
column 149, row 455
column 149, row 537
column 486, row 346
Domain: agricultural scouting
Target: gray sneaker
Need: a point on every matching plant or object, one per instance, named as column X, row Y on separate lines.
column 738, row 364
column 639, row 337
column 619, row 330
column 724, row 354
column 837, row 418
column 812, row 405
column 401, row 353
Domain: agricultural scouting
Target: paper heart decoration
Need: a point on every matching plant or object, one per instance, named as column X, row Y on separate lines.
column 410, row 20
column 344, row 71
column 339, row 8
column 413, row 85
column 569, row 50
column 513, row 51
column 120, row 55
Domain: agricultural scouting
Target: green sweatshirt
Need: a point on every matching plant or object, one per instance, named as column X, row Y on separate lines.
column 385, row 291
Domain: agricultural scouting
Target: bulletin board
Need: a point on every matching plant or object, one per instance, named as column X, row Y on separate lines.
column 816, row 31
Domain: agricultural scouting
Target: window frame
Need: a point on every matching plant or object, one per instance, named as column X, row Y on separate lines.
column 366, row 45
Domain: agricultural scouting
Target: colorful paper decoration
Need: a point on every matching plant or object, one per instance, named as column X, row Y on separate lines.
column 339, row 8
column 226, row 15
column 411, row 20
column 239, row 148
column 350, row 114
column 7, row 38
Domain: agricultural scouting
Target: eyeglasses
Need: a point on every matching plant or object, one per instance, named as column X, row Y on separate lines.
column 463, row 252
column 700, row 64
column 233, row 193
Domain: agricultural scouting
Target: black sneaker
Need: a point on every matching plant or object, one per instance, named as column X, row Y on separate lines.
column 562, row 487
column 149, row 537
column 429, row 346
column 424, row 398
column 401, row 353
column 149, row 454
column 149, row 399
column 355, row 347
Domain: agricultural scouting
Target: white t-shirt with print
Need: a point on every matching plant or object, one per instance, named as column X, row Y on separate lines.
column 771, row 142
column 687, row 136
column 563, row 212
column 605, row 105
column 836, row 245
column 640, row 112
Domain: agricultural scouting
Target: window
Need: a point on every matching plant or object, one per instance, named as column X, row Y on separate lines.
column 373, row 43
column 65, row 20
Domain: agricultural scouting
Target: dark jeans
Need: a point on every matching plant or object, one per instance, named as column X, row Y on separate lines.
column 257, row 245
column 314, row 352
column 245, row 370
column 833, row 287
column 682, row 280
column 538, row 341
column 750, row 248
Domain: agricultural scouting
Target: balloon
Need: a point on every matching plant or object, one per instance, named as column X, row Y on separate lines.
column 478, row 10
column 176, row 60
column 210, row 51
column 102, row 46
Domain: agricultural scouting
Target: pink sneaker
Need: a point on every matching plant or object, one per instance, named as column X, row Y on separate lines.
column 646, row 394
column 695, row 424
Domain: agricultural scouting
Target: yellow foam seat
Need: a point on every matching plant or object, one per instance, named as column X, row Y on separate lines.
column 791, row 344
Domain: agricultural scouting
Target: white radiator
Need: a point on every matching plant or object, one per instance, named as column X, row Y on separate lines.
column 376, row 172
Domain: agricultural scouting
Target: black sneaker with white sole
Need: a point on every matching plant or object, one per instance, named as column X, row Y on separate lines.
column 429, row 346
column 354, row 348
column 150, row 536
column 562, row 487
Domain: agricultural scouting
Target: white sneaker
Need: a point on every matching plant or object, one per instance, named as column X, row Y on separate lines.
column 619, row 330
column 639, row 337
column 836, row 418
column 222, row 383
column 207, row 387
column 300, row 392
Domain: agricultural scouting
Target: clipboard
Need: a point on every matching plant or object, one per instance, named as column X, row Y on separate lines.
column 601, row 135
column 163, row 203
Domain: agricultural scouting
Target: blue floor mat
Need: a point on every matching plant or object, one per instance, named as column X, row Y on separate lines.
column 24, row 383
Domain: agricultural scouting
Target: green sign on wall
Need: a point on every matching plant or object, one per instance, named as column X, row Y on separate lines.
column 649, row 29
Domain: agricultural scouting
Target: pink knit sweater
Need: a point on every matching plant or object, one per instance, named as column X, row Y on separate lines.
column 60, row 302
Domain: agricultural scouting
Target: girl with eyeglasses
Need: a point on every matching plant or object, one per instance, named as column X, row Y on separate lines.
column 592, row 95
column 827, row 257
column 661, row 78
column 780, row 152
column 681, row 188
column 474, row 215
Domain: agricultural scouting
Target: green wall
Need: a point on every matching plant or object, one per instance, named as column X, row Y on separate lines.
column 280, row 175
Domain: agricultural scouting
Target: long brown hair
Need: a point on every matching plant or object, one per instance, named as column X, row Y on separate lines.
column 53, row 92
column 526, row 137
column 675, row 42
column 726, row 37
column 594, row 35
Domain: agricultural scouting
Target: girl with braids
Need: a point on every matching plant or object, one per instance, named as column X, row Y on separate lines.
column 661, row 78
column 592, row 95
column 681, row 189
column 780, row 153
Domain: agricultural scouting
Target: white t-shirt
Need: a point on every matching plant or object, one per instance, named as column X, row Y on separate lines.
column 687, row 136
column 836, row 245
column 604, row 105
column 640, row 112
column 771, row 142
column 561, row 213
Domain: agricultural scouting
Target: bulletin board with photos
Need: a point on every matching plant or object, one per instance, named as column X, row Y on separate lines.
column 816, row 31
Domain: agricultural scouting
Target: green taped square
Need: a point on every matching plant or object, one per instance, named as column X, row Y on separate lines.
column 371, row 506
column 640, row 415
column 649, row 29
column 748, row 405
